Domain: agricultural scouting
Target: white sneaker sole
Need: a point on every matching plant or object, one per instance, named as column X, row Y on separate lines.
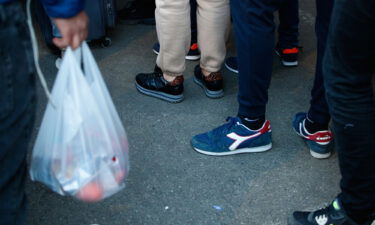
column 263, row 148
column 312, row 153
column 285, row 63
column 230, row 69
column 319, row 155
column 289, row 64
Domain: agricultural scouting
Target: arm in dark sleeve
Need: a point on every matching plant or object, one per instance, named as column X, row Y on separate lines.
column 63, row 8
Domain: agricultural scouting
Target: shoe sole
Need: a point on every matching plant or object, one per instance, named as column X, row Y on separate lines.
column 192, row 57
column 160, row 95
column 210, row 94
column 188, row 57
column 230, row 69
column 285, row 63
column 289, row 64
column 319, row 155
column 263, row 148
column 312, row 152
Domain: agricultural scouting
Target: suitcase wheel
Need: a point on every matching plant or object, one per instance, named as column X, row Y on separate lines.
column 106, row 42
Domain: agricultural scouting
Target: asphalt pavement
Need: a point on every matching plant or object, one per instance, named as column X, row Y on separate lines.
column 170, row 183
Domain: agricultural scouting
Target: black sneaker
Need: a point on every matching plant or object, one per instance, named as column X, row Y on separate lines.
column 212, row 84
column 231, row 64
column 288, row 56
column 331, row 215
column 154, row 84
column 193, row 54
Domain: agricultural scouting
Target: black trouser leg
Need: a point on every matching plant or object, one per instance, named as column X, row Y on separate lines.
column 348, row 74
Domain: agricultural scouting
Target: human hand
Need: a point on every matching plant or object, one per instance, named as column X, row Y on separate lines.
column 73, row 30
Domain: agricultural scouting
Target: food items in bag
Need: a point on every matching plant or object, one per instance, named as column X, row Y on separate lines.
column 81, row 149
column 91, row 192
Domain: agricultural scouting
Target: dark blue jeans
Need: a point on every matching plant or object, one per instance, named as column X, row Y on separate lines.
column 254, row 27
column 17, row 103
column 349, row 73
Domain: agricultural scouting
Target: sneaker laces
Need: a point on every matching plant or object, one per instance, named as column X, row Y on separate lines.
column 225, row 128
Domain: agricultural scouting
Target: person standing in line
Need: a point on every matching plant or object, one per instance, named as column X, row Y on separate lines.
column 349, row 76
column 249, row 131
column 174, row 35
column 287, row 47
column 17, row 93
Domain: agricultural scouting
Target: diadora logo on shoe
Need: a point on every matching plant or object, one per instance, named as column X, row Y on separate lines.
column 323, row 137
column 238, row 139
column 321, row 220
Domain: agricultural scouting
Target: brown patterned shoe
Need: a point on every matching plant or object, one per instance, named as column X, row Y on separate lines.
column 212, row 84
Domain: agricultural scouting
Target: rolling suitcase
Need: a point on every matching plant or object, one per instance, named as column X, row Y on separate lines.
column 101, row 14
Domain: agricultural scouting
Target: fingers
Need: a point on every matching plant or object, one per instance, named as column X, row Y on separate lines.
column 73, row 31
column 70, row 40
column 76, row 41
column 61, row 42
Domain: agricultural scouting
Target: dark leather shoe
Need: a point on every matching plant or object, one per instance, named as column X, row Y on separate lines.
column 212, row 84
column 154, row 84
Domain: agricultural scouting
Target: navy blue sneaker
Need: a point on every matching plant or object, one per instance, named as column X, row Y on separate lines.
column 334, row 214
column 193, row 54
column 233, row 138
column 231, row 64
column 319, row 143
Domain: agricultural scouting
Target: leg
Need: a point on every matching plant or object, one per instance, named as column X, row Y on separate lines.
column 287, row 46
column 193, row 21
column 289, row 21
column 318, row 111
column 254, row 28
column 313, row 126
column 17, row 100
column 213, row 17
column 348, row 73
column 173, row 28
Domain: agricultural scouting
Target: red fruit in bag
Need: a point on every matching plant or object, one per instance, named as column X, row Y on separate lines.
column 91, row 192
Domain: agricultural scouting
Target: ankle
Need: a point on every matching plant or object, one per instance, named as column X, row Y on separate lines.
column 313, row 127
column 169, row 78
column 205, row 72
column 253, row 123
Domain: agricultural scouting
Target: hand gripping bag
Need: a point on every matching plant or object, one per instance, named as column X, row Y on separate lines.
column 81, row 149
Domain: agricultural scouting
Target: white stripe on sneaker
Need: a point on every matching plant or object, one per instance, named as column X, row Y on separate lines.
column 239, row 139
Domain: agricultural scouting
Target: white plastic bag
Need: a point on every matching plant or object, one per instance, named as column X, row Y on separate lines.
column 81, row 149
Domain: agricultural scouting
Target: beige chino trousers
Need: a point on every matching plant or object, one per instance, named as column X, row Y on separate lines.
column 173, row 29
